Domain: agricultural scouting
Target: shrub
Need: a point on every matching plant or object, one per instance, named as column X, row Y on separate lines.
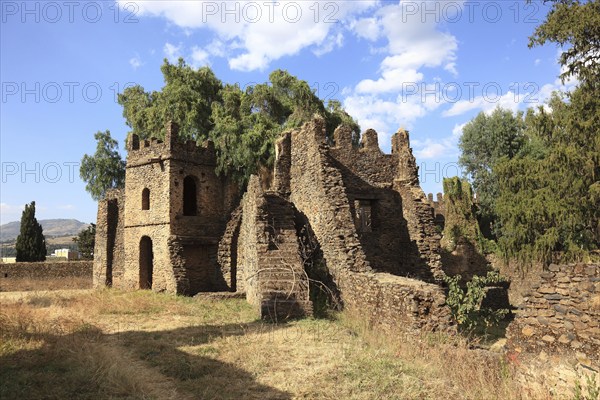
column 466, row 304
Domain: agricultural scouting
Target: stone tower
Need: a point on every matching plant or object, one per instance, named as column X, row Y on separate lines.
column 174, row 213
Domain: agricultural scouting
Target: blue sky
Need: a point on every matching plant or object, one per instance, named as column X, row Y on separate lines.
column 429, row 67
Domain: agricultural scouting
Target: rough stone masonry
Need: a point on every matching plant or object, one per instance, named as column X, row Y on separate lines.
column 179, row 227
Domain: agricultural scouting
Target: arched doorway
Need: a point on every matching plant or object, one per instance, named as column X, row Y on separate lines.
column 146, row 263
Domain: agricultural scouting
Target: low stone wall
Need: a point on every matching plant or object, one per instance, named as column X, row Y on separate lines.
column 393, row 303
column 559, row 321
column 45, row 275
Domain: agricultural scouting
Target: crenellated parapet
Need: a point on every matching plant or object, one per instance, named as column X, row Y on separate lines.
column 144, row 151
column 365, row 161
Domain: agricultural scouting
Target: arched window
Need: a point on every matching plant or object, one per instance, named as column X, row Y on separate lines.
column 146, row 199
column 190, row 205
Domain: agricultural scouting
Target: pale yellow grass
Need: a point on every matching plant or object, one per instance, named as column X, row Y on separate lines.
column 142, row 345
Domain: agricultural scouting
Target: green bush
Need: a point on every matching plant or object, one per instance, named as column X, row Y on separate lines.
column 466, row 304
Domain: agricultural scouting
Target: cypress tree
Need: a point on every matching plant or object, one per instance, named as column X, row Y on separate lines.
column 31, row 244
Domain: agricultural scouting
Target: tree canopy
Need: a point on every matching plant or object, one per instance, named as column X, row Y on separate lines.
column 31, row 244
column 105, row 169
column 243, row 123
column 575, row 26
column 485, row 140
column 541, row 187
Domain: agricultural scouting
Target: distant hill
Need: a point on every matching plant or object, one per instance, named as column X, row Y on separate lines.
column 52, row 227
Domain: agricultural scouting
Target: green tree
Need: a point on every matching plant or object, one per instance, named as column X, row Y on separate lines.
column 485, row 140
column 186, row 99
column 549, row 194
column 85, row 240
column 243, row 124
column 575, row 26
column 105, row 169
column 247, row 123
column 31, row 244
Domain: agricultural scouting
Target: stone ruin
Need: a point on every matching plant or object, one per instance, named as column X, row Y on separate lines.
column 179, row 227
column 354, row 212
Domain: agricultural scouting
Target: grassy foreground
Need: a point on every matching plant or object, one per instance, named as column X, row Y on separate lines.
column 143, row 345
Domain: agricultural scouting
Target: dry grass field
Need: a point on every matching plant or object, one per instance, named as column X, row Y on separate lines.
column 111, row 344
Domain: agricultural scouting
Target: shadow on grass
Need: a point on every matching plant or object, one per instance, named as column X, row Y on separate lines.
column 89, row 364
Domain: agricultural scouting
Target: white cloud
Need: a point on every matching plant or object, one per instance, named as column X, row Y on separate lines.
column 442, row 148
column 401, row 94
column 329, row 44
column 135, row 62
column 248, row 29
column 457, row 131
column 386, row 115
column 199, row 57
column 366, row 28
column 529, row 94
column 487, row 103
column 216, row 48
column 431, row 150
column 172, row 52
column 412, row 43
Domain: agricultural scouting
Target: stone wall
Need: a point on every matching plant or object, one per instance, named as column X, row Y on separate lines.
column 415, row 206
column 227, row 253
column 439, row 209
column 395, row 303
column 45, row 275
column 559, row 319
column 268, row 256
column 318, row 190
column 368, row 177
column 109, row 252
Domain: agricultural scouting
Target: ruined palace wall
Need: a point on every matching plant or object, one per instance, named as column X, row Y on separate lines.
column 109, row 256
column 317, row 190
column 561, row 314
column 367, row 162
column 274, row 276
column 415, row 206
column 394, row 303
column 368, row 176
column 148, row 168
column 227, row 253
column 247, row 249
column 146, row 174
